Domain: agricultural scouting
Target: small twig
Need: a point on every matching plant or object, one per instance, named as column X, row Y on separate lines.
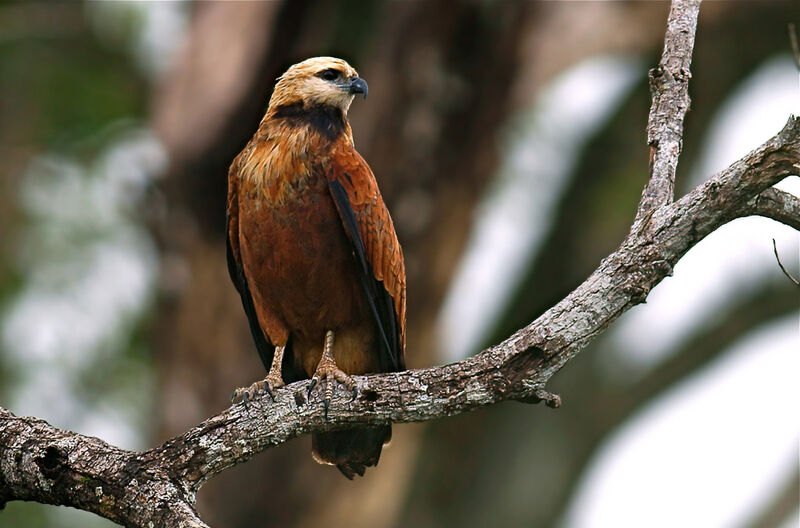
column 783, row 269
column 669, row 88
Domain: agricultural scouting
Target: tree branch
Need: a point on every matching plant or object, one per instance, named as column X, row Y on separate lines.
column 41, row 463
column 157, row 487
column 669, row 87
column 777, row 205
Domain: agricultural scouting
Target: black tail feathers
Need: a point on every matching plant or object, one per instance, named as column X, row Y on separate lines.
column 352, row 450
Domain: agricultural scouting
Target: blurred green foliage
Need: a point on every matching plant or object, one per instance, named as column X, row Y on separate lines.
column 49, row 56
column 64, row 89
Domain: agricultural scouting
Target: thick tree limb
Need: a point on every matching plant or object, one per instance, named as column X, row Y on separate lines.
column 41, row 463
column 669, row 88
column 157, row 487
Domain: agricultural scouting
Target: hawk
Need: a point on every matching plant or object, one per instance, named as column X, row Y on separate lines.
column 313, row 252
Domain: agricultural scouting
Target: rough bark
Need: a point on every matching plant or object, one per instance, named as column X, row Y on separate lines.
column 41, row 463
column 157, row 487
column 669, row 85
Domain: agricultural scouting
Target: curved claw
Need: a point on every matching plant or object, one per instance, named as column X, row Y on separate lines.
column 269, row 384
column 329, row 373
column 240, row 395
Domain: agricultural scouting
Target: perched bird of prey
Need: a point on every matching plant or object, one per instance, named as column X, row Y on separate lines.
column 313, row 252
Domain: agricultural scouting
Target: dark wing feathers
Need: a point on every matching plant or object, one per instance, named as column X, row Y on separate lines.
column 371, row 232
column 374, row 290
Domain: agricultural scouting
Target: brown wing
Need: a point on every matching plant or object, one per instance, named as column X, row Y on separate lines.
column 236, row 269
column 371, row 231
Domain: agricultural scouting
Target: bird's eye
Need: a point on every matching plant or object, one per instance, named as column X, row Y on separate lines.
column 330, row 75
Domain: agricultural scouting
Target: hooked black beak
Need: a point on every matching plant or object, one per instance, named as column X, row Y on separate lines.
column 358, row 86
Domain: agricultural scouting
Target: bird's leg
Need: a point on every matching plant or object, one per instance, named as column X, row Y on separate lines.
column 328, row 371
column 274, row 380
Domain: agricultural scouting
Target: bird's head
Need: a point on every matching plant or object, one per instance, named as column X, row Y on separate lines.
column 317, row 81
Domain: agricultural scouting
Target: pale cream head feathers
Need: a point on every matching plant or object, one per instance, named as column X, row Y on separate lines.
column 318, row 81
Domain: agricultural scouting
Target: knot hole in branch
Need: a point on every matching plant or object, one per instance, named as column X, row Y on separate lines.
column 370, row 395
column 657, row 72
column 519, row 368
column 654, row 76
column 52, row 461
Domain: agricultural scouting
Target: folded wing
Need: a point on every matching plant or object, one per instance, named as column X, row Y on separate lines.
column 378, row 254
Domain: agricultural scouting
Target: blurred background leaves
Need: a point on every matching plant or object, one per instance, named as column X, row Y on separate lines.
column 508, row 140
